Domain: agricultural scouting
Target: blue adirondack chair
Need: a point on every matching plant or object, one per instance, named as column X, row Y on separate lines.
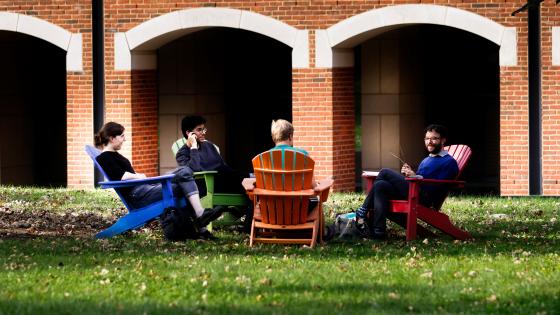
column 136, row 218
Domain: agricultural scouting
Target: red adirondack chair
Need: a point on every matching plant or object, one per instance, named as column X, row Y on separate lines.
column 281, row 192
column 414, row 210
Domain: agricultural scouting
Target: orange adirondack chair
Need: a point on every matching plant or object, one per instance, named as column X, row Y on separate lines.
column 414, row 210
column 281, row 192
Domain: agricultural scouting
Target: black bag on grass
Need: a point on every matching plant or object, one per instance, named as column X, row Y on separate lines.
column 178, row 224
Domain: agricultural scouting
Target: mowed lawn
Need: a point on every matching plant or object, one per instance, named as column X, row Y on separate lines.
column 511, row 267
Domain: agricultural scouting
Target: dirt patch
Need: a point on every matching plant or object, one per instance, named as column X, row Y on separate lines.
column 29, row 223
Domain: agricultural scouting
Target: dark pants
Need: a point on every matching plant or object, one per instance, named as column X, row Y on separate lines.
column 389, row 185
column 226, row 181
column 183, row 184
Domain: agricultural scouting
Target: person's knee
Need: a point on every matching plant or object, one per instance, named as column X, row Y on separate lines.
column 185, row 173
column 387, row 173
column 381, row 186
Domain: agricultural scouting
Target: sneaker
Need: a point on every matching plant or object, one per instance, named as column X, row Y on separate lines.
column 209, row 215
column 361, row 213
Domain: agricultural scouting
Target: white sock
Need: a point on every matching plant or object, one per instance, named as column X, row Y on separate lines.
column 197, row 206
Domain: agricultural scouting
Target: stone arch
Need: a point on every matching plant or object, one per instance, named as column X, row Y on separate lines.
column 135, row 49
column 333, row 45
column 54, row 34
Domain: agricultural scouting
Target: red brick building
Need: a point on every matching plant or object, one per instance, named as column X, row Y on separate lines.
column 359, row 79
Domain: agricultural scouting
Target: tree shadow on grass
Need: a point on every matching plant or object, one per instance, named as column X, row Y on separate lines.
column 346, row 298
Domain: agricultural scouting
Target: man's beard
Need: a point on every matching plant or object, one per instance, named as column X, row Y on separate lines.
column 437, row 148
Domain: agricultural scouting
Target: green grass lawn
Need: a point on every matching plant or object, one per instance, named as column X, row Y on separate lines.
column 512, row 266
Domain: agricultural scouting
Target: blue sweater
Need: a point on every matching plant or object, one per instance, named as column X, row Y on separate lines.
column 436, row 167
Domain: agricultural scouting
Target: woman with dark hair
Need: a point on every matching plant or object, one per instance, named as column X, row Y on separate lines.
column 111, row 138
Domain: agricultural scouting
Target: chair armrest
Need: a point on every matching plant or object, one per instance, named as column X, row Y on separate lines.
column 136, row 182
column 204, row 173
column 447, row 182
column 278, row 193
column 249, row 184
column 323, row 184
column 322, row 188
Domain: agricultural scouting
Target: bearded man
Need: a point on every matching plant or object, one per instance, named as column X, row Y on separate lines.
column 390, row 185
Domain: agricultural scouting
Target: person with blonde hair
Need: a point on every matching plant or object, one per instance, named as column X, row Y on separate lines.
column 282, row 133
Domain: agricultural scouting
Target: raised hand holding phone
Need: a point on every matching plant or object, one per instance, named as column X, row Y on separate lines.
column 191, row 141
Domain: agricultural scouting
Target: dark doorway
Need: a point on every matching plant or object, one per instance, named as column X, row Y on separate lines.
column 462, row 81
column 418, row 75
column 32, row 111
column 238, row 80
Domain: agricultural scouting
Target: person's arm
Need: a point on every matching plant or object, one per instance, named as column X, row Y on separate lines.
column 129, row 176
column 189, row 156
column 407, row 171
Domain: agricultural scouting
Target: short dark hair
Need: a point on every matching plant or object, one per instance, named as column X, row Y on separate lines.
column 190, row 122
column 442, row 130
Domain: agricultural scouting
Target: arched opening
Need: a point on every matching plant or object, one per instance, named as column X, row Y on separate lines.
column 32, row 111
column 421, row 74
column 238, row 80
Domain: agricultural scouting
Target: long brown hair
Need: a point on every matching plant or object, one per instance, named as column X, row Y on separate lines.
column 110, row 129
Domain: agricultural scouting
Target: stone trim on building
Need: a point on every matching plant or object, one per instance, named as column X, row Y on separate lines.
column 135, row 49
column 332, row 45
column 54, row 34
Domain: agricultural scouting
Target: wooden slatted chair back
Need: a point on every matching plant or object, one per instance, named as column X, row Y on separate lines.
column 461, row 153
column 283, row 186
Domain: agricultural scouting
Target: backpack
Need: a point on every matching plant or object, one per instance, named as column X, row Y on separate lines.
column 344, row 227
column 178, row 224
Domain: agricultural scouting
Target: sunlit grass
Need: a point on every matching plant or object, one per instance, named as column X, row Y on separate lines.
column 511, row 267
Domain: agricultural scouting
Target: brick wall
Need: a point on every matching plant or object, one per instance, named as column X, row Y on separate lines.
column 322, row 98
column 75, row 17
column 550, row 102
column 145, row 122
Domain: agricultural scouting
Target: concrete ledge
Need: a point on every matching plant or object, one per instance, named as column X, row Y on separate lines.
column 54, row 34
column 154, row 33
column 300, row 53
column 123, row 59
column 508, row 47
column 210, row 17
column 357, row 29
column 152, row 29
column 8, row 21
column 269, row 27
column 74, row 54
column 42, row 29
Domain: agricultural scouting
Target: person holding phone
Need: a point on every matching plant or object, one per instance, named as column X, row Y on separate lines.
column 390, row 184
column 111, row 138
column 200, row 154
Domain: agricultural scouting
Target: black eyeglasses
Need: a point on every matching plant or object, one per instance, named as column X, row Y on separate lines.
column 201, row 130
column 434, row 139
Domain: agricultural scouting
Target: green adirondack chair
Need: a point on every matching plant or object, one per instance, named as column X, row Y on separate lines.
column 212, row 198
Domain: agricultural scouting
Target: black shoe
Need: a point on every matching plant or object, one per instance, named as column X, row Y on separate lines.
column 206, row 235
column 209, row 215
column 379, row 236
